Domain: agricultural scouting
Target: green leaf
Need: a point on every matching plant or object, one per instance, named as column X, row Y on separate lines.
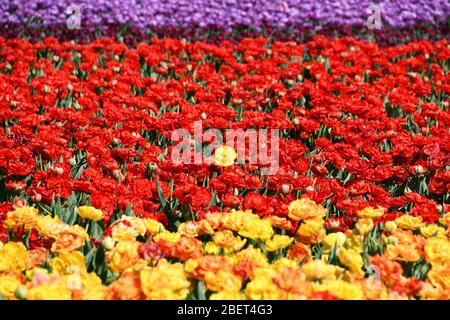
column 129, row 211
column 94, row 230
column 317, row 251
column 162, row 199
column 201, row 291
column 109, row 276
column 332, row 257
column 420, row 269
column 99, row 257
column 89, row 259
column 213, row 200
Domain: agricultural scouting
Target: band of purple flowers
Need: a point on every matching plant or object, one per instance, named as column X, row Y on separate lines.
column 197, row 19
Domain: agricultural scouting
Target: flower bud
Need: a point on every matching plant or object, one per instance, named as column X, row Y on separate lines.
column 118, row 174
column 108, row 243
column 37, row 197
column 285, row 188
column 153, row 166
column 21, row 293
column 419, row 169
column 58, row 170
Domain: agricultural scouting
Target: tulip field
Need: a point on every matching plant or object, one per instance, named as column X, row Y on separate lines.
column 224, row 150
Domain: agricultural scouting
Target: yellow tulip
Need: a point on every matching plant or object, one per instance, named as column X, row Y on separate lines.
column 302, row 209
column 224, row 156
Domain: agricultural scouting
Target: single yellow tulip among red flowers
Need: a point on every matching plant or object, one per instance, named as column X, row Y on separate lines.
column 224, row 156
